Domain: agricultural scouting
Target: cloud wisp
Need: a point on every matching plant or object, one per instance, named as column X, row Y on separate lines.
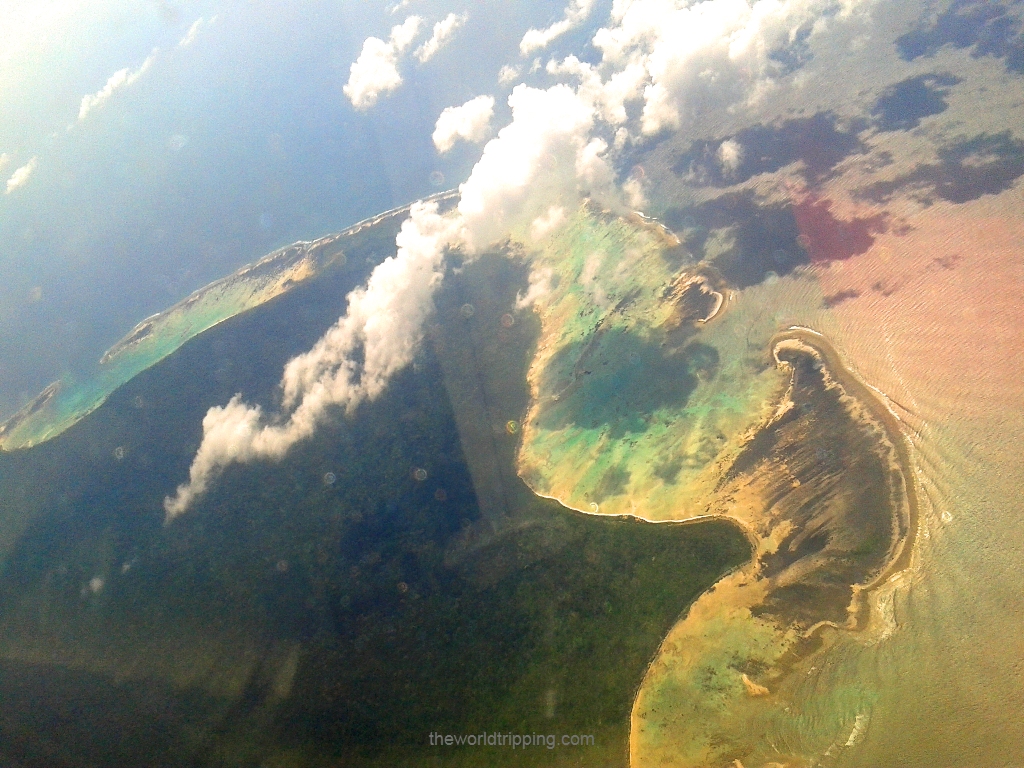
column 470, row 121
column 21, row 175
column 193, row 31
column 375, row 72
column 443, row 32
column 117, row 81
column 537, row 39
column 508, row 74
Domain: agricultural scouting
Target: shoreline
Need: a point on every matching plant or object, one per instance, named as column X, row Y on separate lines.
column 804, row 643
column 304, row 248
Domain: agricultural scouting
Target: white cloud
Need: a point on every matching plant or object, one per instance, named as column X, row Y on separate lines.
column 547, row 223
column 588, row 279
column 532, row 164
column 591, row 267
column 21, row 175
column 634, row 189
column 193, row 31
column 575, row 14
column 717, row 50
column 5, row 159
column 592, row 167
column 609, row 96
column 403, row 34
column 508, row 74
column 351, row 363
column 443, row 31
column 622, row 137
column 120, row 79
column 375, row 72
column 730, row 155
column 471, row 121
column 538, row 287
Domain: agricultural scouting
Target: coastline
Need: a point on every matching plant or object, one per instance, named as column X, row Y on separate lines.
column 59, row 406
